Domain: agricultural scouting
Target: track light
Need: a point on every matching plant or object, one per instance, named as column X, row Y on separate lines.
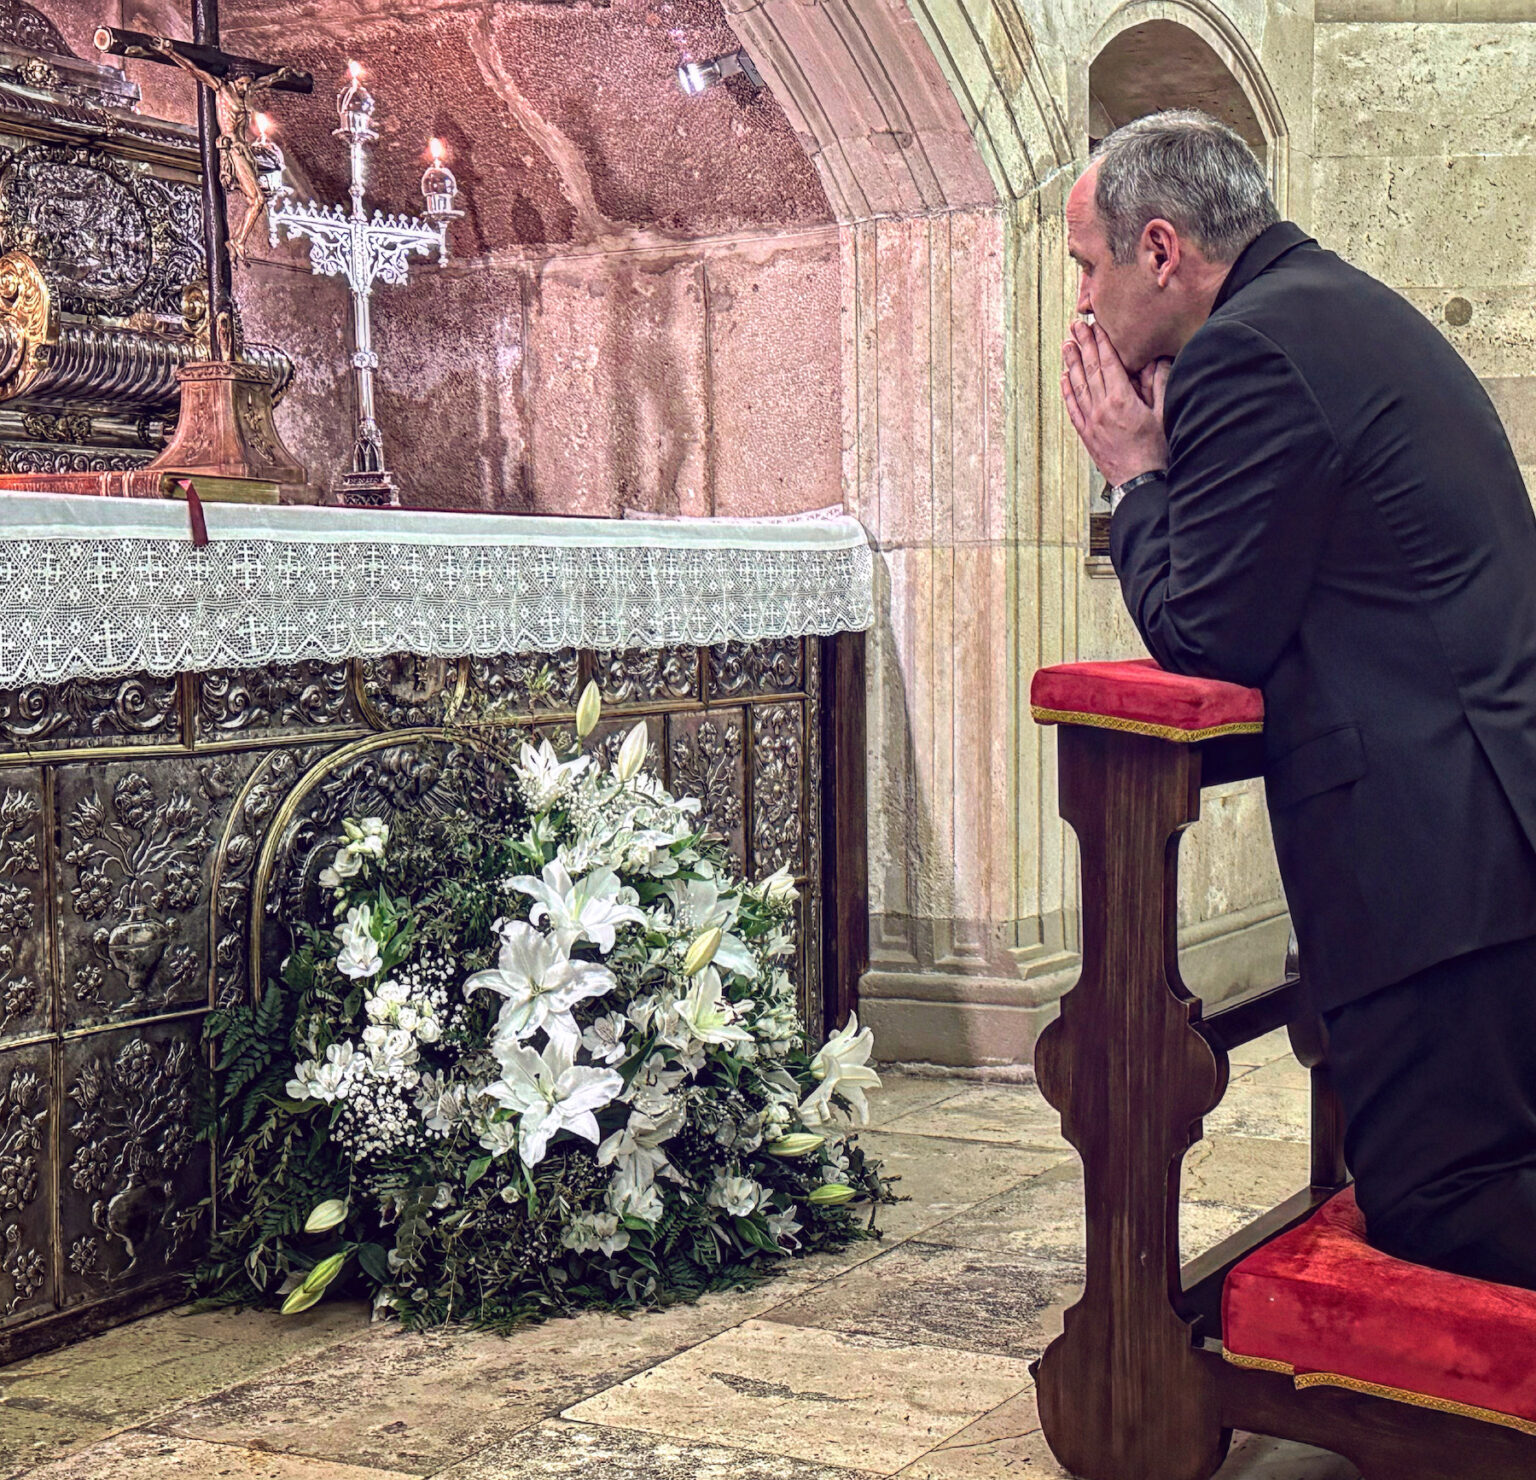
column 694, row 77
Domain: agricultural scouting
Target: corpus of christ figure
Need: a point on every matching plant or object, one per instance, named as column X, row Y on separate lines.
column 234, row 99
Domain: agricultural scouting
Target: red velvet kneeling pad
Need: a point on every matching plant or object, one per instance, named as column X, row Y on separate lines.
column 1139, row 696
column 1321, row 1303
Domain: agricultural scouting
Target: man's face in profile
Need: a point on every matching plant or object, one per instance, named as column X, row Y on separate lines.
column 1122, row 297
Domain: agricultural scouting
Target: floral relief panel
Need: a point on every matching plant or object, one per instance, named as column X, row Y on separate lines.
column 23, row 938
column 139, row 710
column 707, row 759
column 26, row 1184
column 136, row 843
column 132, row 1175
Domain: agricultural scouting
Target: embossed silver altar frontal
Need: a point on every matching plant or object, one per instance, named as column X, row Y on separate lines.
column 101, row 587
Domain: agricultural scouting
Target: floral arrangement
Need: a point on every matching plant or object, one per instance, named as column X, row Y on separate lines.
column 548, row 1057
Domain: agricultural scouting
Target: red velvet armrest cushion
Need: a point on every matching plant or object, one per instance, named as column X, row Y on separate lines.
column 1138, row 696
column 1320, row 1303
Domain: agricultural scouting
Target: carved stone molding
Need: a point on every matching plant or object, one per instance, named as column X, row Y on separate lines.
column 741, row 669
column 778, row 780
column 247, row 703
column 646, row 675
column 88, row 711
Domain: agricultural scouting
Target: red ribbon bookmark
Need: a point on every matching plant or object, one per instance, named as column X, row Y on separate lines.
column 194, row 513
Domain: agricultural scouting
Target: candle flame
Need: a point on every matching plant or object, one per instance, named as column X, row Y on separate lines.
column 355, row 69
column 435, row 149
column 263, row 125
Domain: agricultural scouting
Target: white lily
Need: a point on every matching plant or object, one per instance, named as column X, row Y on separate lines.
column 540, row 983
column 604, row 1039
column 706, row 1015
column 360, row 955
column 594, row 906
column 543, row 778
column 738, row 1195
column 842, row 1067
column 550, row 1094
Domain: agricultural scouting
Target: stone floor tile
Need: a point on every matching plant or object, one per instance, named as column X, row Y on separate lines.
column 598, row 1452
column 1245, row 1172
column 1263, row 1111
column 904, row 1094
column 1265, row 1050
column 1043, row 1219
column 419, row 1401
column 126, row 1376
column 1016, row 1114
column 830, row 1397
column 937, row 1180
column 1008, row 1441
column 1286, row 1072
column 972, row 1300
column 145, row 1456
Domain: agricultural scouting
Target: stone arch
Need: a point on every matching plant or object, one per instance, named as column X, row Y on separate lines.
column 1155, row 54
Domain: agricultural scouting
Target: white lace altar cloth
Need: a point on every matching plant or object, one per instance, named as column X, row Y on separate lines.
column 101, row 587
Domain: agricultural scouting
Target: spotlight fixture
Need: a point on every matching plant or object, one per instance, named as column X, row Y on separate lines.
column 694, row 77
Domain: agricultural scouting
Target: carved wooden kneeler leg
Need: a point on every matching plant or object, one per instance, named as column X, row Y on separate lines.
column 1122, row 1394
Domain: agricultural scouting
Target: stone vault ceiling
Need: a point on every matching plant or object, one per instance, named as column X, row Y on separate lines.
column 564, row 121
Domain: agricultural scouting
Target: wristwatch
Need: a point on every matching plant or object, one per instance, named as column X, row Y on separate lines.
column 1120, row 490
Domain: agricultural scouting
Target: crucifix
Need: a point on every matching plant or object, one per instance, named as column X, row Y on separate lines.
column 225, row 428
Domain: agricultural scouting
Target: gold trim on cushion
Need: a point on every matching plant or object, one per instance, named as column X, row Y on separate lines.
column 1144, row 727
column 1379, row 1390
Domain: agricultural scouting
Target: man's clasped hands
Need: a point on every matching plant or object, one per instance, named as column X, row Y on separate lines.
column 1119, row 416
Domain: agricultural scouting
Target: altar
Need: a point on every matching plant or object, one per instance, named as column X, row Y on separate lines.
column 183, row 727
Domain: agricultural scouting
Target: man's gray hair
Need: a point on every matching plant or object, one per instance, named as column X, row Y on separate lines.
column 1190, row 171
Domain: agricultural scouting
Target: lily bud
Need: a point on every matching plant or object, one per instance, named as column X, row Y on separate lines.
column 588, row 709
column 830, row 1194
column 326, row 1216
column 632, row 752
column 352, row 832
column 802, row 1143
column 323, row 1273
column 300, row 1299
column 702, row 951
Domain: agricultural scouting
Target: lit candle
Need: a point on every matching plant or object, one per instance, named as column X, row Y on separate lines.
column 438, row 186
column 263, row 128
column 354, row 105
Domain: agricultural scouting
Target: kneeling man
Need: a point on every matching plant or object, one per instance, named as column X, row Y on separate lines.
column 1313, row 495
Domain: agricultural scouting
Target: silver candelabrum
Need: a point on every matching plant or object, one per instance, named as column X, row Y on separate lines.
column 366, row 249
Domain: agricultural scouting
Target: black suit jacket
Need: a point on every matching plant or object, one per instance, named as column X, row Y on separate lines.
column 1343, row 525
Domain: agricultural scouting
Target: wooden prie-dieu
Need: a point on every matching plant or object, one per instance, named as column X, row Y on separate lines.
column 1137, row 1386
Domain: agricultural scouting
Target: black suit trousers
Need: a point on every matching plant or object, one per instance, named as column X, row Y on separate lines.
column 1437, row 1076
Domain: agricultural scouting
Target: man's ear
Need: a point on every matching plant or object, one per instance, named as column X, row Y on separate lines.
column 1160, row 240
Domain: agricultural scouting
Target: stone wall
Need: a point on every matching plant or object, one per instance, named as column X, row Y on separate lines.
column 1426, row 173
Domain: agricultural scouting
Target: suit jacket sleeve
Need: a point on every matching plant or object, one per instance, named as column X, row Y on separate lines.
column 1215, row 561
